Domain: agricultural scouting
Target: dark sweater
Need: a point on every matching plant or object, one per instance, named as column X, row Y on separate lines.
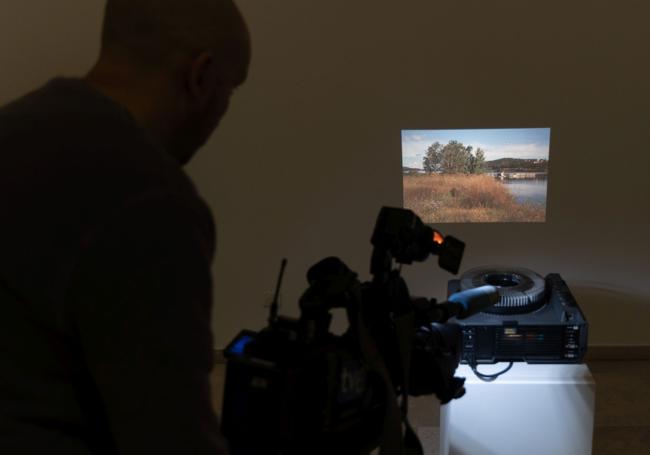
column 105, row 289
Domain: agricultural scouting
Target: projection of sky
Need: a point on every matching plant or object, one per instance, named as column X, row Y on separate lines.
column 532, row 143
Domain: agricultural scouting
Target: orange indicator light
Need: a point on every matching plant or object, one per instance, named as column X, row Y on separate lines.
column 438, row 238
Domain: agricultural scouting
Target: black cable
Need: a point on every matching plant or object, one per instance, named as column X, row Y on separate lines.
column 487, row 377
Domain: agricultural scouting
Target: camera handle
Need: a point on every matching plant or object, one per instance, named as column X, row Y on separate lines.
column 396, row 441
column 332, row 285
column 393, row 442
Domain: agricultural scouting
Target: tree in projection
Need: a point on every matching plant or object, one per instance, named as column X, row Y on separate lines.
column 453, row 158
column 431, row 160
column 476, row 163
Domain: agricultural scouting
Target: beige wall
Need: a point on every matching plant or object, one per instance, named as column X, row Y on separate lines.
column 311, row 148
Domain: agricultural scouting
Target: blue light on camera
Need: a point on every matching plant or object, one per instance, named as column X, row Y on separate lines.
column 239, row 345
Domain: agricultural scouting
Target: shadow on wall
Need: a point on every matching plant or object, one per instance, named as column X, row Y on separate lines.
column 623, row 316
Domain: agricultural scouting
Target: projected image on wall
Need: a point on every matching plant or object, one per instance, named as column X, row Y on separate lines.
column 480, row 175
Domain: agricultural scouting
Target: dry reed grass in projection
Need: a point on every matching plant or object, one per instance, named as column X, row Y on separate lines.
column 480, row 175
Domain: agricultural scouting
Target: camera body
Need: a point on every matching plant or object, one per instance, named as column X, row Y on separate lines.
column 282, row 396
column 294, row 387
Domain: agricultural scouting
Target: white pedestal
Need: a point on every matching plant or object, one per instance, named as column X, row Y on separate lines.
column 531, row 410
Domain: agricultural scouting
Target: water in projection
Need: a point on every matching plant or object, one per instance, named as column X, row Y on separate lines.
column 476, row 175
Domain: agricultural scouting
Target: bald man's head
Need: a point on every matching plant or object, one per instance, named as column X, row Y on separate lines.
column 156, row 33
column 174, row 65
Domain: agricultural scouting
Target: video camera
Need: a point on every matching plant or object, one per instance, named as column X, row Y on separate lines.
column 296, row 388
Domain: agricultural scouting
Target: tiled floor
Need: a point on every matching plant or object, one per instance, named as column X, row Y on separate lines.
column 622, row 421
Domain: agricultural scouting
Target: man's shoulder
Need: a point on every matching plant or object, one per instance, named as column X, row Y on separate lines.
column 67, row 114
column 69, row 165
column 68, row 129
column 66, row 147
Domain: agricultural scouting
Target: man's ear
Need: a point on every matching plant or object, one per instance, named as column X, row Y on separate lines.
column 202, row 78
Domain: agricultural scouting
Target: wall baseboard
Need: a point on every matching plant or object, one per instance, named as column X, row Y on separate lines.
column 593, row 353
